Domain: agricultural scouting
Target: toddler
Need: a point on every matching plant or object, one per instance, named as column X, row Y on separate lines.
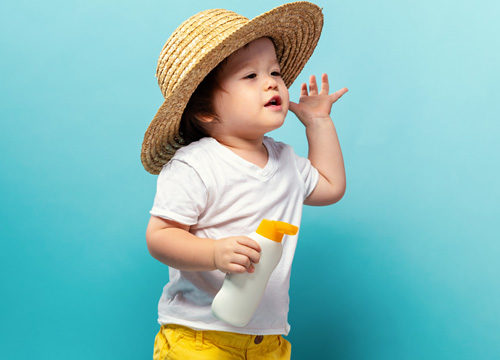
column 225, row 81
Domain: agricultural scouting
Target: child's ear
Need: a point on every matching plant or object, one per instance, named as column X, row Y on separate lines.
column 205, row 118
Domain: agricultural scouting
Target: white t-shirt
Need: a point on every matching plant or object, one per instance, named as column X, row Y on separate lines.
column 219, row 194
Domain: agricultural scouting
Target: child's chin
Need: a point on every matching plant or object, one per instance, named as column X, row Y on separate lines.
column 276, row 124
column 279, row 124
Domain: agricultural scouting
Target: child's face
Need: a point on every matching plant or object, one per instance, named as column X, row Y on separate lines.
column 251, row 78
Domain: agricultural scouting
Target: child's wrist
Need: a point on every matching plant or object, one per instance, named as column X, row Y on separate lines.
column 214, row 263
column 319, row 122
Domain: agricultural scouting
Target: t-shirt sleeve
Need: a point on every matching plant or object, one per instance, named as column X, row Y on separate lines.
column 308, row 173
column 181, row 195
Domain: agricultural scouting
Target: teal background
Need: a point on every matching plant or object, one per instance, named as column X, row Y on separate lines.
column 405, row 266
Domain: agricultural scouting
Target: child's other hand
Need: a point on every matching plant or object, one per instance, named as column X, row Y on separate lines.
column 314, row 105
column 235, row 254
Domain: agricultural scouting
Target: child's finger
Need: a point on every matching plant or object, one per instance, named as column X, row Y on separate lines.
column 241, row 260
column 252, row 254
column 245, row 240
column 325, row 87
column 313, row 87
column 303, row 89
column 337, row 94
column 248, row 253
column 235, row 268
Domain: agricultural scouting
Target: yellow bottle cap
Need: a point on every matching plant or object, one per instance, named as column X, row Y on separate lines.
column 274, row 230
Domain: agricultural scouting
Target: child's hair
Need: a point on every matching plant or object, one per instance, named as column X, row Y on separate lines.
column 201, row 103
column 191, row 126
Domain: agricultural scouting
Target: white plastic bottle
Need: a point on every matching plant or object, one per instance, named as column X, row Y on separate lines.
column 241, row 293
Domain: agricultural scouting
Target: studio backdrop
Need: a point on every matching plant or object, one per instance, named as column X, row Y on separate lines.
column 405, row 266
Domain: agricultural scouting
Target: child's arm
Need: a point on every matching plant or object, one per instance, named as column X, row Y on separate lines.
column 172, row 244
column 313, row 110
column 326, row 156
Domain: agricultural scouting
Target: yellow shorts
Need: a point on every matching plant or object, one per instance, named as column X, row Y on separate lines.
column 180, row 342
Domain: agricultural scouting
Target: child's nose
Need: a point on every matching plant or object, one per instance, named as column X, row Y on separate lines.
column 271, row 82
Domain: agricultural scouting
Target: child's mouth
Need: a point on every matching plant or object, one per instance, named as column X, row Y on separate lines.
column 274, row 103
column 274, row 107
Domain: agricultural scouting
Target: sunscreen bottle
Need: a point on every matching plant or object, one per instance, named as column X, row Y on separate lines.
column 241, row 293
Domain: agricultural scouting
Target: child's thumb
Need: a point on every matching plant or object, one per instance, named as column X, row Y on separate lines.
column 293, row 107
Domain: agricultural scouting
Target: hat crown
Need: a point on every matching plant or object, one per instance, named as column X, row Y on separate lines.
column 190, row 42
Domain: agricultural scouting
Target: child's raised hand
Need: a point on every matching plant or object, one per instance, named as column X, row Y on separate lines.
column 235, row 254
column 315, row 105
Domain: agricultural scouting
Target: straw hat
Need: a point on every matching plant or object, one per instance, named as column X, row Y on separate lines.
column 201, row 42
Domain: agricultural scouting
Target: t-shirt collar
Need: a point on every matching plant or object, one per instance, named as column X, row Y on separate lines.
column 246, row 165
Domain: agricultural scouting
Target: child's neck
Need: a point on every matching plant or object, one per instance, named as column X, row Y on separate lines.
column 252, row 150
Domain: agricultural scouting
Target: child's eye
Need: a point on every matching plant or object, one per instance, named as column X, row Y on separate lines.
column 251, row 76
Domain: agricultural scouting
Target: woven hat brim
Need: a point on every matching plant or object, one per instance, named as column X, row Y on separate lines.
column 295, row 29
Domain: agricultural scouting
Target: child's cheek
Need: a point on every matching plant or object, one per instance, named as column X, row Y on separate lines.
column 286, row 103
